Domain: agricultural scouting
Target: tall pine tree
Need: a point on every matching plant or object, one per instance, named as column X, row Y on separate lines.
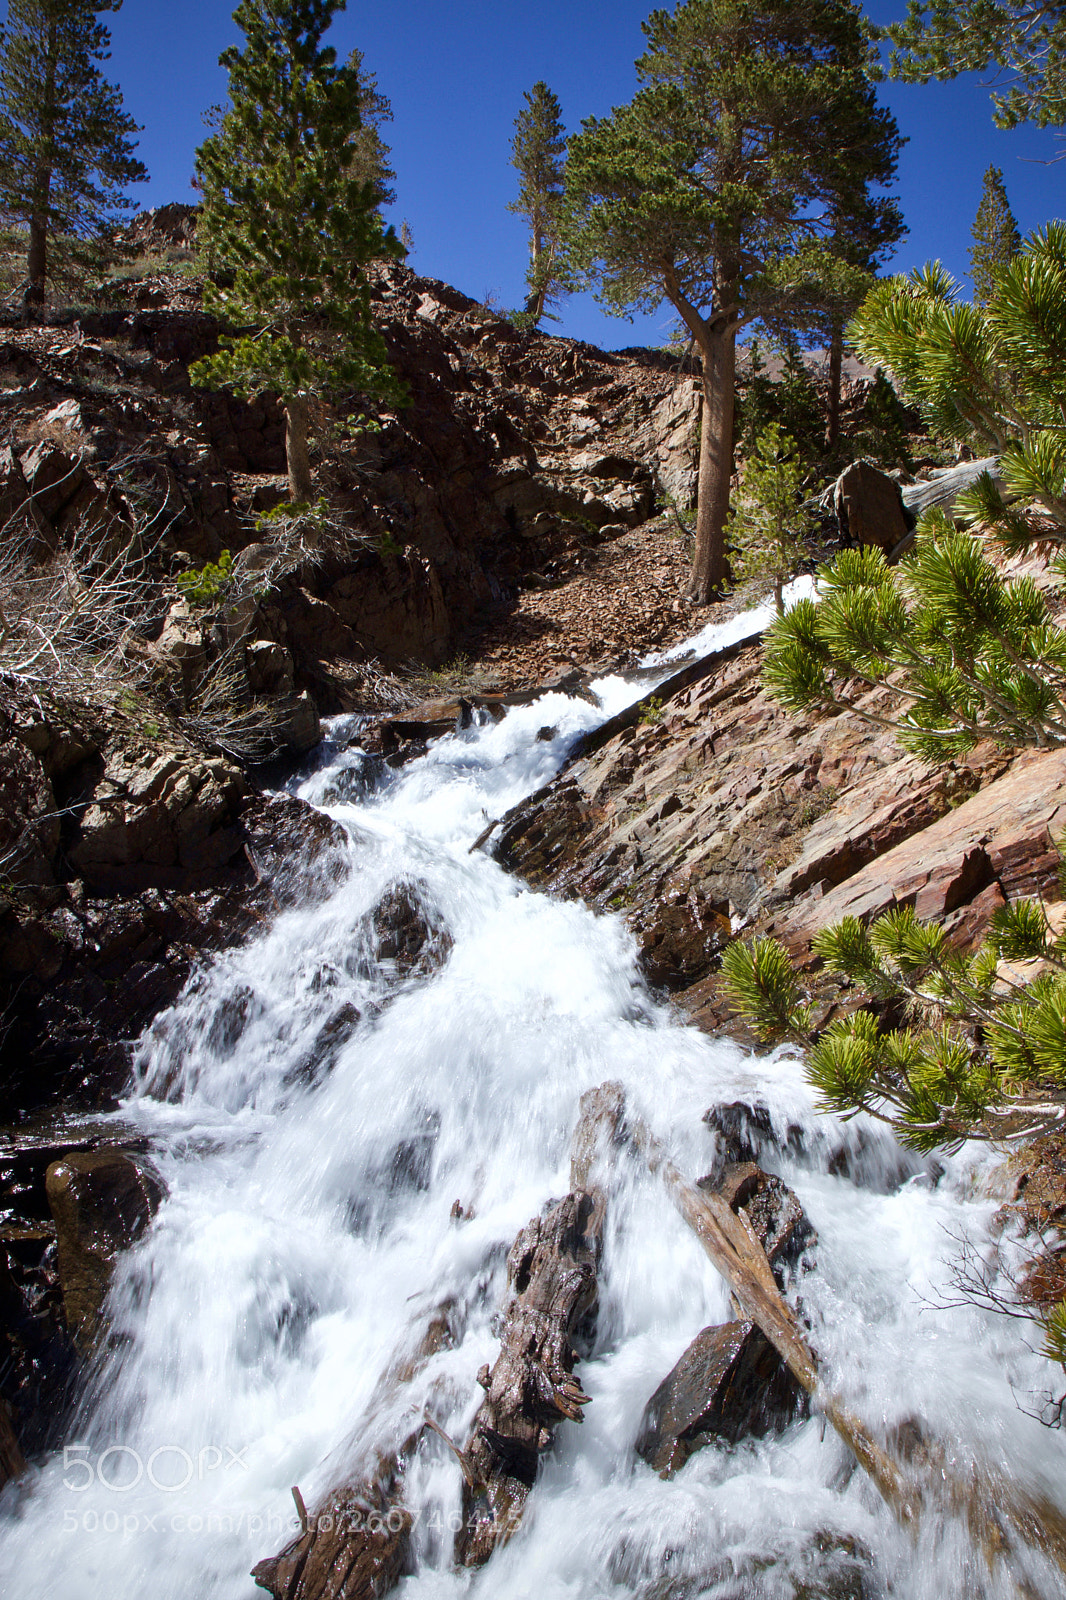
column 369, row 160
column 66, row 145
column 287, row 214
column 719, row 186
column 996, row 240
column 537, row 153
column 1025, row 39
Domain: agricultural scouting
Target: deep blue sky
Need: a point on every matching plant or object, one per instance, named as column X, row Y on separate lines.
column 455, row 73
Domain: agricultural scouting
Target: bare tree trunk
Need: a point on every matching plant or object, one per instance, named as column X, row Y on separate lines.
column 298, row 461
column 718, row 349
column 836, row 367
column 37, row 260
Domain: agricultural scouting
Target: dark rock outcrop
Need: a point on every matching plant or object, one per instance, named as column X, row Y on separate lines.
column 729, row 1384
column 101, row 1201
column 128, row 853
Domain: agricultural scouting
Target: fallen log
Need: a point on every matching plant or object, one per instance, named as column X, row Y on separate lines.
column 996, row 1510
column 943, row 486
column 551, row 1271
column 355, row 1544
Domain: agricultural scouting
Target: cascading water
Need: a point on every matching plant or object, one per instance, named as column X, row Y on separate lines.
column 315, row 1112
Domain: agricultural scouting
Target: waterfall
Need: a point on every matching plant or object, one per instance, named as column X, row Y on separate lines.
column 316, row 1102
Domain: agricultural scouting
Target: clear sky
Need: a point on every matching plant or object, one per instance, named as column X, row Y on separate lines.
column 455, row 72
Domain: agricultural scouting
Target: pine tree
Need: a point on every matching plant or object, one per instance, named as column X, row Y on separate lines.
column 958, row 653
column 66, row 146
column 982, row 1053
column 537, row 152
column 369, row 159
column 291, row 224
column 755, row 135
column 1026, row 39
column 767, row 523
column 996, row 240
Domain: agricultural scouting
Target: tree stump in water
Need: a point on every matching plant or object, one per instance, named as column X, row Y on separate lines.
column 551, row 1271
column 355, row 1544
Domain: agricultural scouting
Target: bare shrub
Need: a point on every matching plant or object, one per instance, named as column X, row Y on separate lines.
column 226, row 717
column 307, row 533
column 73, row 617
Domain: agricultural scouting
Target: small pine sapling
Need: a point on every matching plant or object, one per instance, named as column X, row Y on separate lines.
column 768, row 523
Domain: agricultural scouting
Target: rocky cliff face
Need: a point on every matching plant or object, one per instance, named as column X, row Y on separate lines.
column 517, row 455
column 724, row 811
column 125, row 853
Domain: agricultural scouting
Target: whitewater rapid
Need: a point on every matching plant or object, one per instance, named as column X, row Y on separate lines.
column 308, row 1236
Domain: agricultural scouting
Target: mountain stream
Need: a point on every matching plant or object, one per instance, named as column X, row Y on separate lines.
column 312, row 1166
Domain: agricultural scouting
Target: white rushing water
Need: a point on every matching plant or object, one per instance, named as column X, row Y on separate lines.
column 315, row 1114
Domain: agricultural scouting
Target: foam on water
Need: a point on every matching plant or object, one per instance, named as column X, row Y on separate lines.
column 307, row 1239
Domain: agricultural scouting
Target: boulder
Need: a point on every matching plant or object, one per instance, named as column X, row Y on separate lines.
column 158, row 817
column 730, row 1383
column 102, row 1201
column 269, row 667
column 180, row 648
column 297, row 725
column 743, row 1129
column 409, row 933
column 58, row 484
column 869, row 508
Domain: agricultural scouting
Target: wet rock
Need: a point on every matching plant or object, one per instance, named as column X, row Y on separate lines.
column 829, row 1566
column 681, row 935
column 102, row 1201
column 743, row 1129
column 294, row 722
column 408, row 932
column 429, row 720
column 773, row 1209
column 318, row 1060
column 411, row 1164
column 231, row 1020
column 37, row 1358
column 729, row 1384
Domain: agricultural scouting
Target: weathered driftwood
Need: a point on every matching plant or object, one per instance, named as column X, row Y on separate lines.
column 943, row 488
column 355, row 1544
column 997, row 1511
column 551, row 1272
